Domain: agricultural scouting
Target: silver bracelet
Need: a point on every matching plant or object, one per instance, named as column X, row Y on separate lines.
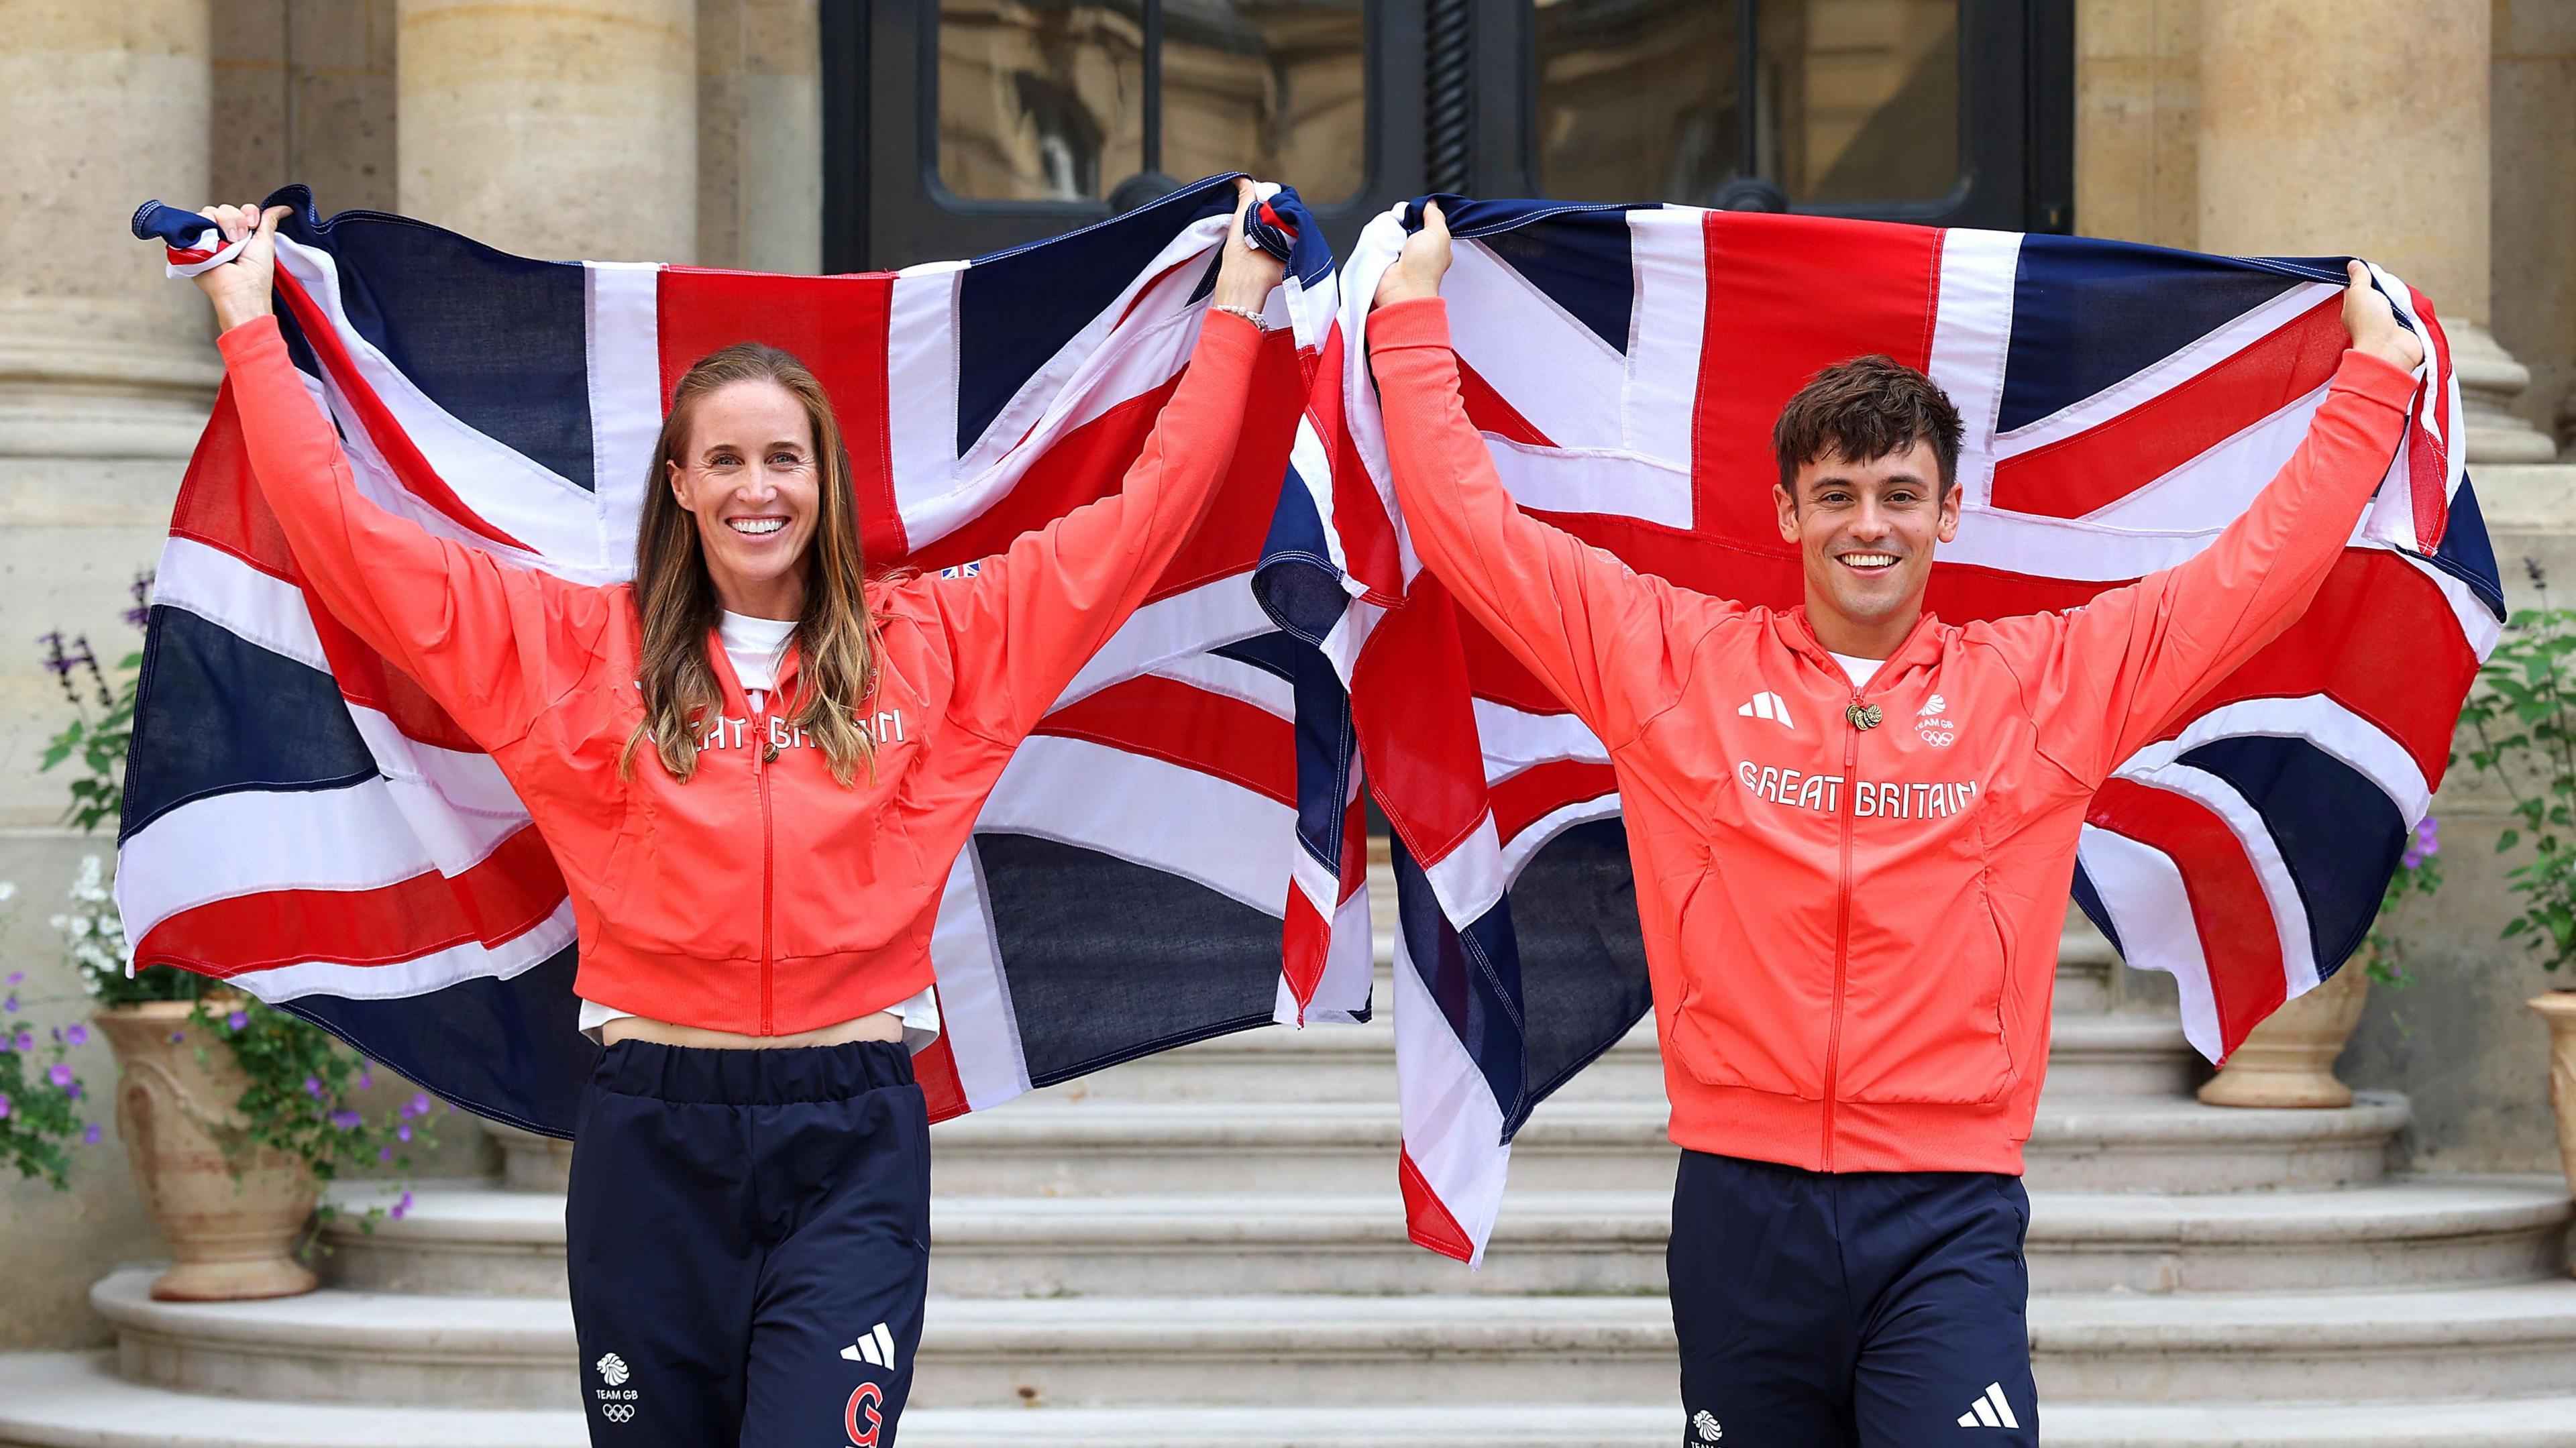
column 1245, row 313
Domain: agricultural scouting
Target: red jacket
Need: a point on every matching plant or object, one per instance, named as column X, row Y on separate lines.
column 1852, row 933
column 760, row 897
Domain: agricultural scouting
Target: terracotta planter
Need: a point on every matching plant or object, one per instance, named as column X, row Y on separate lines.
column 2558, row 1008
column 232, row 1236
column 2289, row 1059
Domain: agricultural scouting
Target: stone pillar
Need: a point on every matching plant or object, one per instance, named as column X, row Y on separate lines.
column 2362, row 126
column 565, row 130
column 105, row 368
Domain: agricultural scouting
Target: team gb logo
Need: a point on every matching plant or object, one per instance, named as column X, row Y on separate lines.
column 1937, row 729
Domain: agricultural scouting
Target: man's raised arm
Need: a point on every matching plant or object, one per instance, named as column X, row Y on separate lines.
column 1595, row 632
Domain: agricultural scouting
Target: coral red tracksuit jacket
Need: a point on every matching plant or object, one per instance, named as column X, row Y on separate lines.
column 760, row 897
column 1852, row 933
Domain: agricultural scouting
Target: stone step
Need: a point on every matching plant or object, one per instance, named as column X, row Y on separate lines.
column 75, row 1400
column 467, row 1240
column 1252, row 1349
column 2089, row 1056
column 1196, row 1148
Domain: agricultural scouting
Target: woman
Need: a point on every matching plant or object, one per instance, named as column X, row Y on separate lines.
column 754, row 767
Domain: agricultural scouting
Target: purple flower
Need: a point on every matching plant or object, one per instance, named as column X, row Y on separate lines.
column 366, row 1080
column 10, row 1005
column 236, row 1020
column 141, row 591
column 2423, row 845
column 73, row 1090
column 4, row 1105
column 177, row 1036
column 418, row 1105
column 90, row 1133
column 26, row 1040
column 401, row 1207
column 60, row 1075
column 313, row 1087
column 16, row 976
column 384, row 1153
column 345, row 1120
column 403, row 1132
column 77, row 1035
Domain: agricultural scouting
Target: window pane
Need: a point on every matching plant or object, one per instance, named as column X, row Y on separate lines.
column 1636, row 99
column 1858, row 100
column 1273, row 87
column 1040, row 100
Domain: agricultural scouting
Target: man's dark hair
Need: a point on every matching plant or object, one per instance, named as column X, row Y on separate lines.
column 1862, row 410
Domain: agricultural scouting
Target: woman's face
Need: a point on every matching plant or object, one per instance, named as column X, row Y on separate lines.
column 750, row 475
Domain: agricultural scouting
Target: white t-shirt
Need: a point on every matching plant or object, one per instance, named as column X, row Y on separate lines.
column 1860, row 670
column 756, row 647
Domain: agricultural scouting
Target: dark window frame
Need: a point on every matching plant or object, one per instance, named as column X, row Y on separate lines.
column 2016, row 121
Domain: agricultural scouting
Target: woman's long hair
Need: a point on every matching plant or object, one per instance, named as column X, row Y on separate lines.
column 675, row 600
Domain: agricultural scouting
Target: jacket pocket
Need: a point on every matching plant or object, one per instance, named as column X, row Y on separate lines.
column 1742, row 1023
column 1928, row 1027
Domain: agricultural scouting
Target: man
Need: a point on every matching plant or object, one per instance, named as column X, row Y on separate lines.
column 1853, row 828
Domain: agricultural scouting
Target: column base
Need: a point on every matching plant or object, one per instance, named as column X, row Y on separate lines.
column 2490, row 379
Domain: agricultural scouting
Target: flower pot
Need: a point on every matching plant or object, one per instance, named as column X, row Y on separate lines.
column 2558, row 1008
column 231, row 1235
column 2289, row 1059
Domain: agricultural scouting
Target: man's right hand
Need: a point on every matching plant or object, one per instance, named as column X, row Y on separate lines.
column 2373, row 323
column 239, row 288
column 1419, row 267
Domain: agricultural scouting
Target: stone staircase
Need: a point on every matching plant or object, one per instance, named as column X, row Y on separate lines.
column 1207, row 1247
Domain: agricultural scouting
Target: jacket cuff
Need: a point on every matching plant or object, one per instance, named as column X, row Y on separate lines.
column 240, row 344
column 2367, row 374
column 1421, row 322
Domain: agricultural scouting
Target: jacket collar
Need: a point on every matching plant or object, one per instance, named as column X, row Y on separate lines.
column 730, row 685
column 1921, row 645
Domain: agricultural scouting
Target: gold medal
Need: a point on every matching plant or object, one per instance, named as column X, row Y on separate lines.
column 1864, row 716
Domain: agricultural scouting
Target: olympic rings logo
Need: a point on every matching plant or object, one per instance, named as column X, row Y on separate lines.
column 618, row 1412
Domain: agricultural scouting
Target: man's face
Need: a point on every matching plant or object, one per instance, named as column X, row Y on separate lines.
column 1865, row 531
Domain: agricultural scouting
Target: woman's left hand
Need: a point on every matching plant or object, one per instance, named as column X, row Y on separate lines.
column 1247, row 275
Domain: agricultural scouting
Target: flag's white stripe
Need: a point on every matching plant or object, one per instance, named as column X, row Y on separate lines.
column 2222, row 343
column 2280, row 888
column 1234, row 679
column 1971, row 335
column 1515, row 739
column 1128, row 363
column 1549, row 367
column 2369, row 749
column 1379, row 244
column 1311, row 467
column 2215, row 488
column 401, row 980
column 1534, row 836
column 623, row 310
column 1668, row 257
column 1469, row 880
column 269, row 612
column 974, row 995
column 1169, row 629
column 506, row 488
column 1350, row 970
column 258, row 607
column 1453, row 1127
column 248, row 841
column 2151, row 913
column 1349, row 635
column 921, row 389
column 1564, row 480
column 1199, row 827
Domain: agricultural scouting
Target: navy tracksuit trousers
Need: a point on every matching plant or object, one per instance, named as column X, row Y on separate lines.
column 1850, row 1310
column 749, row 1242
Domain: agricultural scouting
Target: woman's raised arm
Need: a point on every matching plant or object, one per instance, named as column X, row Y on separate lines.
column 492, row 643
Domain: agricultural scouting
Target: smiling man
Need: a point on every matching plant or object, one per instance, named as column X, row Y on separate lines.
column 1854, row 827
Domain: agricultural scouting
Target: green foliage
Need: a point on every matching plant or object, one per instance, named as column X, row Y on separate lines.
column 40, row 1098
column 298, row 1100
column 2524, row 719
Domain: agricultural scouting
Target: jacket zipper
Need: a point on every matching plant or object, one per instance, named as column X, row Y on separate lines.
column 1842, row 922
column 761, row 753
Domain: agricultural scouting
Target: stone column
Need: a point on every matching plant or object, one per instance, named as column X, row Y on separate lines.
column 105, row 368
column 2361, row 126
column 566, row 130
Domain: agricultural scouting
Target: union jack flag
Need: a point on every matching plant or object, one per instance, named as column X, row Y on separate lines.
column 2121, row 404
column 305, row 822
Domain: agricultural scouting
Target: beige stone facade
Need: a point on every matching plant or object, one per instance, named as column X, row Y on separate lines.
column 2436, row 135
